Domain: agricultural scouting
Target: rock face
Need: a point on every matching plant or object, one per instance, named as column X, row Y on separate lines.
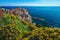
column 1, row 13
column 21, row 12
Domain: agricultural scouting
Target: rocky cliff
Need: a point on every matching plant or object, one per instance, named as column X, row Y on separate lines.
column 21, row 12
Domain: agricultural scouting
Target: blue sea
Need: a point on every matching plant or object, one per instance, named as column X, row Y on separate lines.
column 51, row 14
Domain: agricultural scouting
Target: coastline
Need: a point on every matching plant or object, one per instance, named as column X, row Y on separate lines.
column 14, row 27
column 52, row 20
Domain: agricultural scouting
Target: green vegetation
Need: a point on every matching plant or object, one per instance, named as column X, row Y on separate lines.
column 12, row 28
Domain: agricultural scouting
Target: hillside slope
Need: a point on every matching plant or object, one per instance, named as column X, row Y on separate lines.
column 13, row 28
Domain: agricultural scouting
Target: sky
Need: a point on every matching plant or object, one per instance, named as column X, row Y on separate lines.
column 29, row 2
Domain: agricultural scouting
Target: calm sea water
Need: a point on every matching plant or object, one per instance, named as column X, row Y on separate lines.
column 51, row 14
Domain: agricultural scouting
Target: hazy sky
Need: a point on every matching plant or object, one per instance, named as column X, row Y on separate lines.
column 29, row 2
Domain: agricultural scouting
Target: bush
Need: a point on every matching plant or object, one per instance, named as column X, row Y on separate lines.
column 11, row 28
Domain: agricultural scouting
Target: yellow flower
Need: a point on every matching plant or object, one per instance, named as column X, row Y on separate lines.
column 55, row 33
column 24, row 22
column 58, row 36
column 45, row 34
column 51, row 29
column 41, row 36
column 13, row 16
column 36, row 29
column 19, row 37
column 26, row 39
column 1, row 28
column 55, row 28
column 50, row 39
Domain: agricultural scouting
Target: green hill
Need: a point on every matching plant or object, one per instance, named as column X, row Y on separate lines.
column 13, row 28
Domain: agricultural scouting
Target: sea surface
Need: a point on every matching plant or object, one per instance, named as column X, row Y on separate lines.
column 51, row 14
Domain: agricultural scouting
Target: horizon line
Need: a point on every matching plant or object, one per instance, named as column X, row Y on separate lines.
column 34, row 5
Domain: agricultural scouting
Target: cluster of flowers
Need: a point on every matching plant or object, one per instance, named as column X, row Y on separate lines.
column 8, row 30
column 43, row 34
